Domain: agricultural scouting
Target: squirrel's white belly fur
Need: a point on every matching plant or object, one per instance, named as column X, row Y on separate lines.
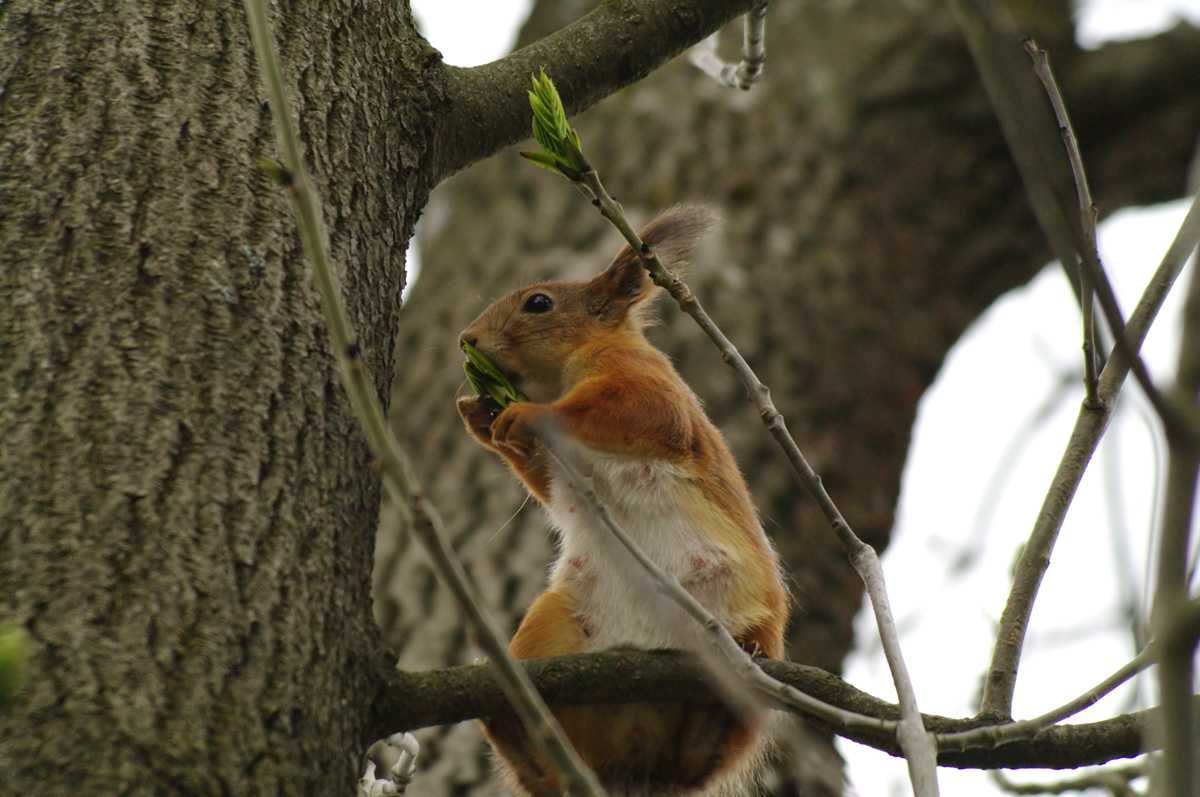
column 650, row 500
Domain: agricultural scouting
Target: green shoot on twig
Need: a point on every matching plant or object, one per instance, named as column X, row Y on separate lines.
column 562, row 152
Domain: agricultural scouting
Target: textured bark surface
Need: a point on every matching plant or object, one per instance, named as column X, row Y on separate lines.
column 872, row 213
column 185, row 504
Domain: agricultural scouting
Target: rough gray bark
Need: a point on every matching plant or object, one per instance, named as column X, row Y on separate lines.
column 872, row 213
column 186, row 504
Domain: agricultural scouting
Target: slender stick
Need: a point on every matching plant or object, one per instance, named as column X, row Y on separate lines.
column 742, row 75
column 563, row 454
column 992, row 736
column 919, row 749
column 397, row 471
column 1087, row 305
column 1087, row 216
column 1116, row 780
column 1005, row 658
column 1025, row 121
column 1089, row 252
column 1172, row 617
column 1085, row 437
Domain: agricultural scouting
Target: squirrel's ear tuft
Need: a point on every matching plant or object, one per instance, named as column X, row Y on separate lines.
column 673, row 236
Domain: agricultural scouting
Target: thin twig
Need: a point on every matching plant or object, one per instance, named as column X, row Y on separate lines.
column 995, row 735
column 918, row 746
column 1087, row 306
column 1114, row 779
column 1087, row 214
column 987, row 31
column 742, row 75
column 1172, row 617
column 1025, row 121
column 397, row 472
column 561, row 453
column 1089, row 253
column 1089, row 427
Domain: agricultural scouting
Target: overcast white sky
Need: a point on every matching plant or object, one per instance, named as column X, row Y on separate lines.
column 991, row 392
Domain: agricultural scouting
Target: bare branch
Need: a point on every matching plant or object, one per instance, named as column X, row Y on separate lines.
column 1049, row 185
column 421, row 699
column 613, row 46
column 1172, row 616
column 1085, row 437
column 1096, row 279
column 741, row 75
column 397, row 471
column 996, row 735
column 1114, row 779
column 1087, row 214
column 1027, row 124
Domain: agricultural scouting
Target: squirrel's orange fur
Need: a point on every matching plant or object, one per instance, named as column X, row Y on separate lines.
column 578, row 352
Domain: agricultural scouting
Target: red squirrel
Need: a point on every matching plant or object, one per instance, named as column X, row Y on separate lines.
column 577, row 350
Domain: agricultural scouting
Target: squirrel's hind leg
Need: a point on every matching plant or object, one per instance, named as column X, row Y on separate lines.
column 549, row 629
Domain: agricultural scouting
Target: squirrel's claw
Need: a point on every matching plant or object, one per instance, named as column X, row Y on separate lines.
column 478, row 413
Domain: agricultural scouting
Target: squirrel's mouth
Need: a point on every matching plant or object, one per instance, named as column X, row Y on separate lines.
column 512, row 376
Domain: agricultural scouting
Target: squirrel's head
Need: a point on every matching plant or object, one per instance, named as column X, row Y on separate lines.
column 547, row 336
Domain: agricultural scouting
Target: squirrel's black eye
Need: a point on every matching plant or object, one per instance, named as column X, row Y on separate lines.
column 538, row 303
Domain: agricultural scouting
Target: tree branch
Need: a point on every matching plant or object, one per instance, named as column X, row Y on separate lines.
column 1085, row 437
column 1172, row 616
column 415, row 700
column 1028, row 125
column 996, row 735
column 485, row 107
column 1115, row 780
column 741, row 75
column 1087, row 218
column 1095, row 279
column 1050, row 185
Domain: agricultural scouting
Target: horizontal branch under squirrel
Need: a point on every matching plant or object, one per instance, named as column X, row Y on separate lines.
column 456, row 694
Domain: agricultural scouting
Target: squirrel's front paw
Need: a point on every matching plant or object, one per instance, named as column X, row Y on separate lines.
column 477, row 413
column 514, row 428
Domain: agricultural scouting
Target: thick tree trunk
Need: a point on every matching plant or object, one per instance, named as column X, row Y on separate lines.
column 186, row 507
column 872, row 212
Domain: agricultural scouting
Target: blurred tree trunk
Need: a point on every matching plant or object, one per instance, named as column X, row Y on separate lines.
column 872, row 213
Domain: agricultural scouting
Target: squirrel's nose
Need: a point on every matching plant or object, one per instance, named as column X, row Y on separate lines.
column 467, row 337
